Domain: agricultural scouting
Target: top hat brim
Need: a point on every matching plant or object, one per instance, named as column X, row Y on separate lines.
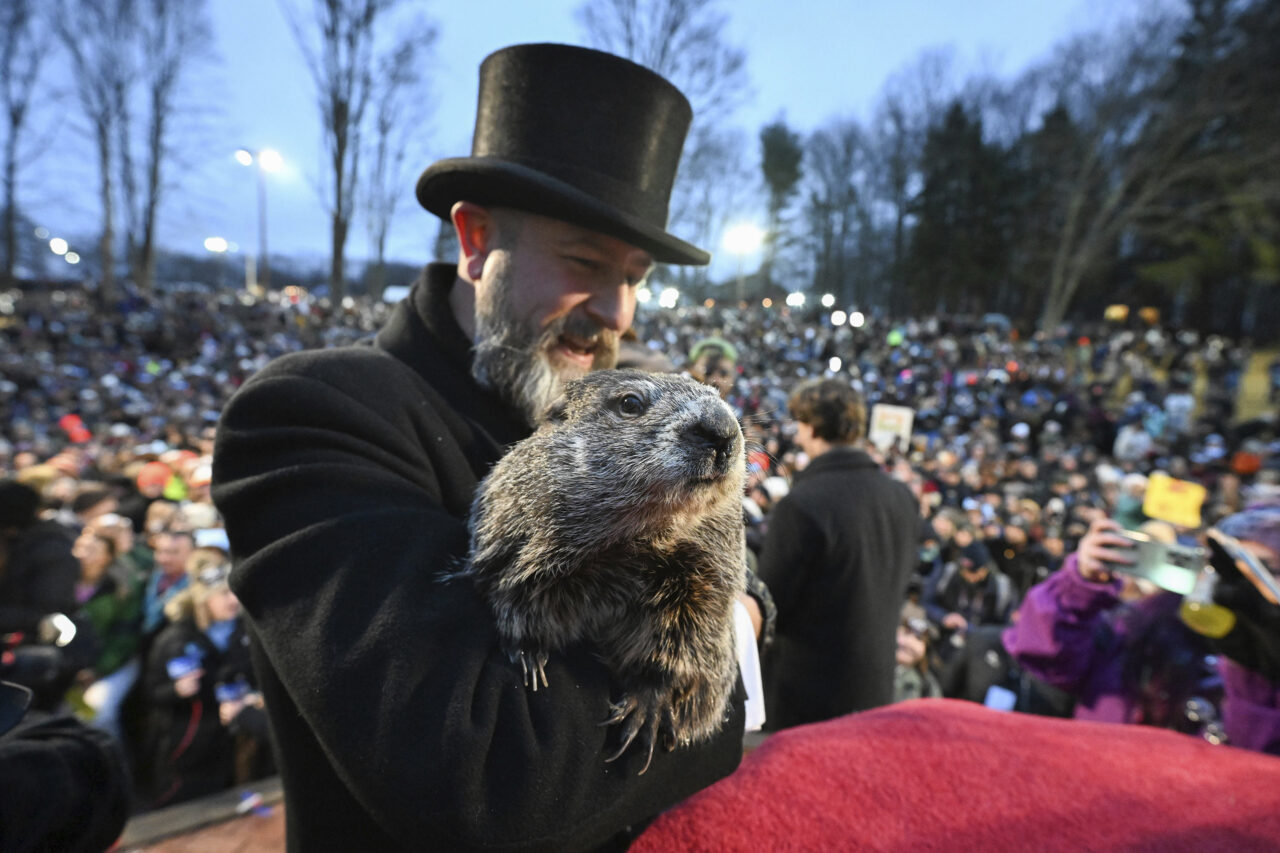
column 501, row 183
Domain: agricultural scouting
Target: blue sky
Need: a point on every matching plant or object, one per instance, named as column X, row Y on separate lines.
column 808, row 59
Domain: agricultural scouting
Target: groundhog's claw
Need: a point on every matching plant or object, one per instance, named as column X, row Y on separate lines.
column 532, row 666
column 649, row 717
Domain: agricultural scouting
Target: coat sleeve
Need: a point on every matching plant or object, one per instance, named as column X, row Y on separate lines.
column 793, row 545
column 1054, row 637
column 333, row 505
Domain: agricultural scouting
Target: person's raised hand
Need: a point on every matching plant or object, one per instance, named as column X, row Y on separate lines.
column 1100, row 549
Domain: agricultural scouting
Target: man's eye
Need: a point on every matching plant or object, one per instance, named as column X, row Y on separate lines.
column 585, row 263
column 631, row 405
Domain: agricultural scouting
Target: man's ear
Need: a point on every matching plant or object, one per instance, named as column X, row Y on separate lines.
column 474, row 226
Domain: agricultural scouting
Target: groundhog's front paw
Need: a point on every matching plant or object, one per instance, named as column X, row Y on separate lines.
column 533, row 662
column 645, row 712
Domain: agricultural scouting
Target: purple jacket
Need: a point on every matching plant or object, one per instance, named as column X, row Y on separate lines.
column 1056, row 640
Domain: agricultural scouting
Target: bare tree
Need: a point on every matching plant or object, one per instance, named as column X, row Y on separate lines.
column 836, row 157
column 173, row 35
column 1154, row 158
column 683, row 40
column 714, row 184
column 97, row 35
column 339, row 51
column 400, row 109
column 24, row 40
column 909, row 101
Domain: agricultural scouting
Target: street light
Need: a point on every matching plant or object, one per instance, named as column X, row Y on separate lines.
column 268, row 160
column 218, row 246
column 741, row 240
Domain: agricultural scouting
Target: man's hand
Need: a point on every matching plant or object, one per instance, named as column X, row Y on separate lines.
column 753, row 610
column 227, row 711
column 955, row 622
column 189, row 684
column 1100, row 548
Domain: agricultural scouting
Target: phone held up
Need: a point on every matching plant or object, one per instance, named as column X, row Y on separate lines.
column 1185, row 570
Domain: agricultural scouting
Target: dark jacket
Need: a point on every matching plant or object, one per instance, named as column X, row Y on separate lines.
column 839, row 552
column 990, row 601
column 39, row 577
column 190, row 749
column 345, row 478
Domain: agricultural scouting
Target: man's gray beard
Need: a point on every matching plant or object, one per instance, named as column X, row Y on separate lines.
column 511, row 355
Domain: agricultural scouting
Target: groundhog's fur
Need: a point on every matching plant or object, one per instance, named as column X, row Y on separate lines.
column 620, row 521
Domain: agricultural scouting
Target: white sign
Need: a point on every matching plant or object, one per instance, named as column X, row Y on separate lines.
column 891, row 426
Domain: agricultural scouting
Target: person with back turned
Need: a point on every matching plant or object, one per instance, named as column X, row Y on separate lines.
column 840, row 549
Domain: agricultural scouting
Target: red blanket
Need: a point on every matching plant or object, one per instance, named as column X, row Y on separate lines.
column 939, row 774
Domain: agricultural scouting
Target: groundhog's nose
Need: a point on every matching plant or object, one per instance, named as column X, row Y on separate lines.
column 712, row 433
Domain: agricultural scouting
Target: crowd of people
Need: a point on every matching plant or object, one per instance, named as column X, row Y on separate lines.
column 933, row 506
column 1021, row 446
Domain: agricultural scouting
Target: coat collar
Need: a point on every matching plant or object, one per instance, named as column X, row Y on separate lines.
column 838, row 458
column 423, row 333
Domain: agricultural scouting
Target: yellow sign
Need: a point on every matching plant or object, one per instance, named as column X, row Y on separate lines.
column 1175, row 501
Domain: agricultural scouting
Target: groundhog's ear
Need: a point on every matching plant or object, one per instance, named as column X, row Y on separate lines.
column 556, row 413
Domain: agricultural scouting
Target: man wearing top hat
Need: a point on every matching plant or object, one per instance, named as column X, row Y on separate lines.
column 345, row 477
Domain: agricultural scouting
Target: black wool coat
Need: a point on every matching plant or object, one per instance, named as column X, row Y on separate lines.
column 840, row 549
column 345, row 477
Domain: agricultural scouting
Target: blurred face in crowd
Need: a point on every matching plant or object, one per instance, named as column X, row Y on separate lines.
column 158, row 516
column 911, row 647
column 94, row 553
column 222, row 604
column 716, row 369
column 551, row 300
column 172, row 552
column 119, row 530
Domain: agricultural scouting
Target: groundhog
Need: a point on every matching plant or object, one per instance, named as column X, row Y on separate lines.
column 620, row 521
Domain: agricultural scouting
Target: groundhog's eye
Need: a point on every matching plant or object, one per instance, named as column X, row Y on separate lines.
column 631, row 405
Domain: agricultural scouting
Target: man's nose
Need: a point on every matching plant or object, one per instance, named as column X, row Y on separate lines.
column 613, row 307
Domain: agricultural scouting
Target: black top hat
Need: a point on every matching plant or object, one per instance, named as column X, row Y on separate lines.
column 577, row 135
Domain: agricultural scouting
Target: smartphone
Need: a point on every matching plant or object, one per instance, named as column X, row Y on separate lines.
column 1250, row 566
column 1170, row 567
